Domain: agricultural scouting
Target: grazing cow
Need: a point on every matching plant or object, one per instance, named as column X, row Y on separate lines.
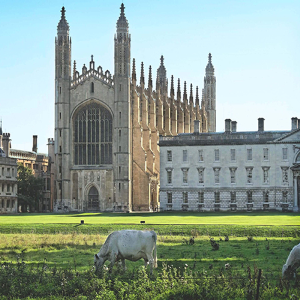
column 128, row 244
column 292, row 263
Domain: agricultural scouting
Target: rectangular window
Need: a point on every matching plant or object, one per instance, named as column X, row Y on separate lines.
column 2, row 171
column 200, row 155
column 201, row 197
column 59, row 169
column 8, row 188
column 13, row 172
column 284, row 153
column 169, row 155
column 169, row 176
column 201, row 175
column 217, row 175
column 217, row 197
column 266, row 154
column 169, row 195
column 185, row 175
column 8, row 172
column 232, row 175
column 249, row 197
column 232, row 154
column 233, row 197
column 249, row 175
column 266, row 175
column 249, row 154
column 185, row 198
column 184, row 156
column 217, row 155
column 120, row 170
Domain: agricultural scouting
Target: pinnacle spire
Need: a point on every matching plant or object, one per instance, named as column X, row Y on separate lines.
column 63, row 25
column 150, row 78
column 122, row 22
column 172, row 86
column 133, row 70
column 178, row 90
column 209, row 68
column 74, row 69
column 191, row 94
column 142, row 80
column 197, row 96
column 184, row 91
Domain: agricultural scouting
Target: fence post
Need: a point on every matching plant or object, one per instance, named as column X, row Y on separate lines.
column 258, row 284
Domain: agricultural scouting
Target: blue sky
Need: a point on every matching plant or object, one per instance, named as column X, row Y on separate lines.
column 254, row 45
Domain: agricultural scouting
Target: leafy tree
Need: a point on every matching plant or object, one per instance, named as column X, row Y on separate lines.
column 29, row 189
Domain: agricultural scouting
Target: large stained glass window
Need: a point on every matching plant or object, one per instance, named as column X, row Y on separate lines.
column 92, row 135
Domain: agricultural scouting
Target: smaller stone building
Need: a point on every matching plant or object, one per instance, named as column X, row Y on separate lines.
column 255, row 170
column 8, row 177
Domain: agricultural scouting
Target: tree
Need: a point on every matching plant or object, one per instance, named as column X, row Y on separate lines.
column 29, row 189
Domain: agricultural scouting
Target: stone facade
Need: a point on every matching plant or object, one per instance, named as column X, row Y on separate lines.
column 233, row 170
column 107, row 126
column 8, row 177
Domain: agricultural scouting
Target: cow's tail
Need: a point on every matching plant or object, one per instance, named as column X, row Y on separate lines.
column 154, row 236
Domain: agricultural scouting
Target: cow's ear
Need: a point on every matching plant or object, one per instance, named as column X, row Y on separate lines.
column 96, row 256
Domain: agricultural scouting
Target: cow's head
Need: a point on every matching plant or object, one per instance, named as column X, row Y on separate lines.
column 98, row 262
column 287, row 271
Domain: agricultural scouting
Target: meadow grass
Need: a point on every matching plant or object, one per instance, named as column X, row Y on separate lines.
column 210, row 218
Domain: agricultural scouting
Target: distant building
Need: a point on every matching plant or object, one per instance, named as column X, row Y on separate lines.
column 231, row 170
column 8, row 177
column 40, row 164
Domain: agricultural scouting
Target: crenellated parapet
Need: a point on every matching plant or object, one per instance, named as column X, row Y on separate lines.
column 86, row 73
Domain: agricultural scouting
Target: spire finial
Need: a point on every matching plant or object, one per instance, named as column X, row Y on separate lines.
column 172, row 86
column 184, row 91
column 63, row 11
column 191, row 94
column 133, row 70
column 209, row 58
column 142, row 74
column 92, row 57
column 178, row 90
column 209, row 68
column 63, row 26
column 162, row 60
column 150, row 78
column 122, row 8
column 197, row 96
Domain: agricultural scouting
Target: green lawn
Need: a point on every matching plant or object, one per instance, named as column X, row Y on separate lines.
column 235, row 218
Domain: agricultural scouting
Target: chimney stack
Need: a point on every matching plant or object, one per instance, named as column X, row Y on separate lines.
column 34, row 143
column 196, row 126
column 233, row 126
column 228, row 126
column 261, row 124
column 295, row 123
column 6, row 143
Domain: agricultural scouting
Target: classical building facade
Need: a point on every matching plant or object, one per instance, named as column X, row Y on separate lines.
column 8, row 177
column 107, row 126
column 231, row 170
column 41, row 165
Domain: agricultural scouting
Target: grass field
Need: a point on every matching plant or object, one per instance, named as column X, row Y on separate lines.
column 235, row 218
column 50, row 256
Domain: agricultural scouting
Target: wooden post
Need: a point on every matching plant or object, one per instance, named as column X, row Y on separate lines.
column 258, row 284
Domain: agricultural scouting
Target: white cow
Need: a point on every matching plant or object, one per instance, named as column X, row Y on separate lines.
column 292, row 262
column 128, row 244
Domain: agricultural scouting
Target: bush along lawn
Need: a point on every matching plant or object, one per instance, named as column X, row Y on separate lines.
column 19, row 281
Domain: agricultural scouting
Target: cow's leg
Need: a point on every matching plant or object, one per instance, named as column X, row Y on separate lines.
column 146, row 262
column 113, row 258
column 123, row 264
column 151, row 261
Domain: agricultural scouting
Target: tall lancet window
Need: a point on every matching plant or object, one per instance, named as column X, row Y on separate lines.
column 92, row 135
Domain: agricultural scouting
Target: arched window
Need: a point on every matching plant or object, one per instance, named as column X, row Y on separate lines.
column 92, row 135
column 92, row 87
column 93, row 199
column 298, row 158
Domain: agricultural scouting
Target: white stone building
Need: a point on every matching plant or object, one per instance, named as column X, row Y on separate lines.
column 8, row 177
column 232, row 170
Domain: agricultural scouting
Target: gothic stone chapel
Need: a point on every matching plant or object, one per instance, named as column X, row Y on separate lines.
column 107, row 127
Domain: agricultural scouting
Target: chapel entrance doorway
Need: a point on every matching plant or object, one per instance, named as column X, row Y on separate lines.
column 93, row 199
